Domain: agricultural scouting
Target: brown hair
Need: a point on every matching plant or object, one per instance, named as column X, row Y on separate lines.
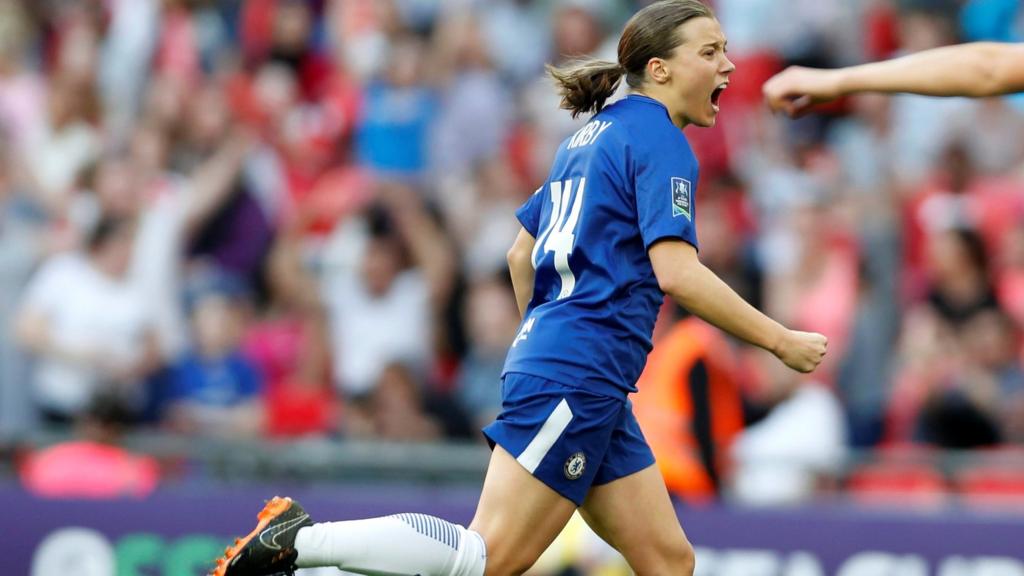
column 586, row 84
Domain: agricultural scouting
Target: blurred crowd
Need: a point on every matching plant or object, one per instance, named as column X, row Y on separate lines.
column 287, row 218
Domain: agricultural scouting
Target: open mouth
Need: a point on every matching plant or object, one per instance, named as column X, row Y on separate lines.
column 716, row 95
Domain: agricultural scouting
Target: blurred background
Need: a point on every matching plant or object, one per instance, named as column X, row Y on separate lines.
column 253, row 247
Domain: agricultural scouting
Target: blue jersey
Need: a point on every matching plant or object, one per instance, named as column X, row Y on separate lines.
column 618, row 185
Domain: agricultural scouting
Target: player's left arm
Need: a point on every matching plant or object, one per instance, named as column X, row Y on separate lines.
column 520, row 267
column 693, row 286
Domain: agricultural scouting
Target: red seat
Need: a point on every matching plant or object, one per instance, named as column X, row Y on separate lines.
column 991, row 486
column 898, row 483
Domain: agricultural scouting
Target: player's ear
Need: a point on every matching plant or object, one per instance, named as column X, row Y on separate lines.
column 658, row 71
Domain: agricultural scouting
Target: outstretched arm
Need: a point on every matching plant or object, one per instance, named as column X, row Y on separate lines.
column 977, row 69
column 213, row 181
column 696, row 288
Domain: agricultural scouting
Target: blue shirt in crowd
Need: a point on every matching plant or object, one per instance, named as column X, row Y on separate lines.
column 216, row 383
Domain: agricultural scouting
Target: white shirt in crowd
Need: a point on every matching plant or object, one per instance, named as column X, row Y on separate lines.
column 88, row 312
column 779, row 459
column 368, row 332
column 56, row 158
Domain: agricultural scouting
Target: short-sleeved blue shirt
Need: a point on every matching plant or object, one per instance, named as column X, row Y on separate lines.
column 618, row 185
column 215, row 383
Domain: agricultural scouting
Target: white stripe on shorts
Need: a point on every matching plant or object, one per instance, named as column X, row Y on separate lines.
column 553, row 427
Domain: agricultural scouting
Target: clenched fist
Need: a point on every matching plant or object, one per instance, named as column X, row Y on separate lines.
column 796, row 89
column 802, row 351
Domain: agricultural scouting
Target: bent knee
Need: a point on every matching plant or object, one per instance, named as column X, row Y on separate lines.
column 674, row 558
column 503, row 559
column 686, row 559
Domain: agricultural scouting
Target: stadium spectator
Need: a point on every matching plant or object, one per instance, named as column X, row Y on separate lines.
column 690, row 409
column 396, row 408
column 399, row 111
column 518, row 36
column 97, row 338
column 926, row 357
column 960, row 280
column 173, row 209
column 476, row 208
column 23, row 87
column 59, row 149
column 92, row 465
column 237, row 230
column 491, row 323
column 123, row 67
column 469, row 89
column 23, row 236
column 215, row 390
column 980, row 404
column 1010, row 274
column 775, row 460
column 288, row 342
column 383, row 303
column 291, row 45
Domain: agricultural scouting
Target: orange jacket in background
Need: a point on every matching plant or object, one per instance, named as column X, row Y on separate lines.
column 665, row 408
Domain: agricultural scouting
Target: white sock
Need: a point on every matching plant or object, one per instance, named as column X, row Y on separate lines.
column 400, row 545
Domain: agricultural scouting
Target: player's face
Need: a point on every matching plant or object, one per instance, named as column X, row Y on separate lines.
column 699, row 71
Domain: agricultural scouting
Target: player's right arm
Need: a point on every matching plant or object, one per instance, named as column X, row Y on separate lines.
column 520, row 267
column 693, row 286
column 977, row 69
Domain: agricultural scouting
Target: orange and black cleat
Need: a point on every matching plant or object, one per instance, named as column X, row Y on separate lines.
column 270, row 548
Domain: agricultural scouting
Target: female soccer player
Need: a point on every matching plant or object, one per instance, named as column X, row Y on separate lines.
column 602, row 241
column 977, row 69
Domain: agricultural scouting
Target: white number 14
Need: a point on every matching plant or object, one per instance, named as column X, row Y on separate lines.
column 559, row 236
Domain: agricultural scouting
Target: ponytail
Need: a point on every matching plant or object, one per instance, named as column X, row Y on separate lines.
column 585, row 85
column 653, row 32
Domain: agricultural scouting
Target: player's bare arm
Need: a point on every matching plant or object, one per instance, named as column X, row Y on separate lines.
column 977, row 69
column 520, row 267
column 682, row 276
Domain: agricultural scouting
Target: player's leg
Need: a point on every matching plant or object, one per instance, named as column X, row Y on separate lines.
column 286, row 539
column 652, row 542
column 629, row 507
column 517, row 519
column 518, row 516
column 536, row 478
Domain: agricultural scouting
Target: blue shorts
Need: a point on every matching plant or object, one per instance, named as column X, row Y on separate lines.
column 568, row 438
